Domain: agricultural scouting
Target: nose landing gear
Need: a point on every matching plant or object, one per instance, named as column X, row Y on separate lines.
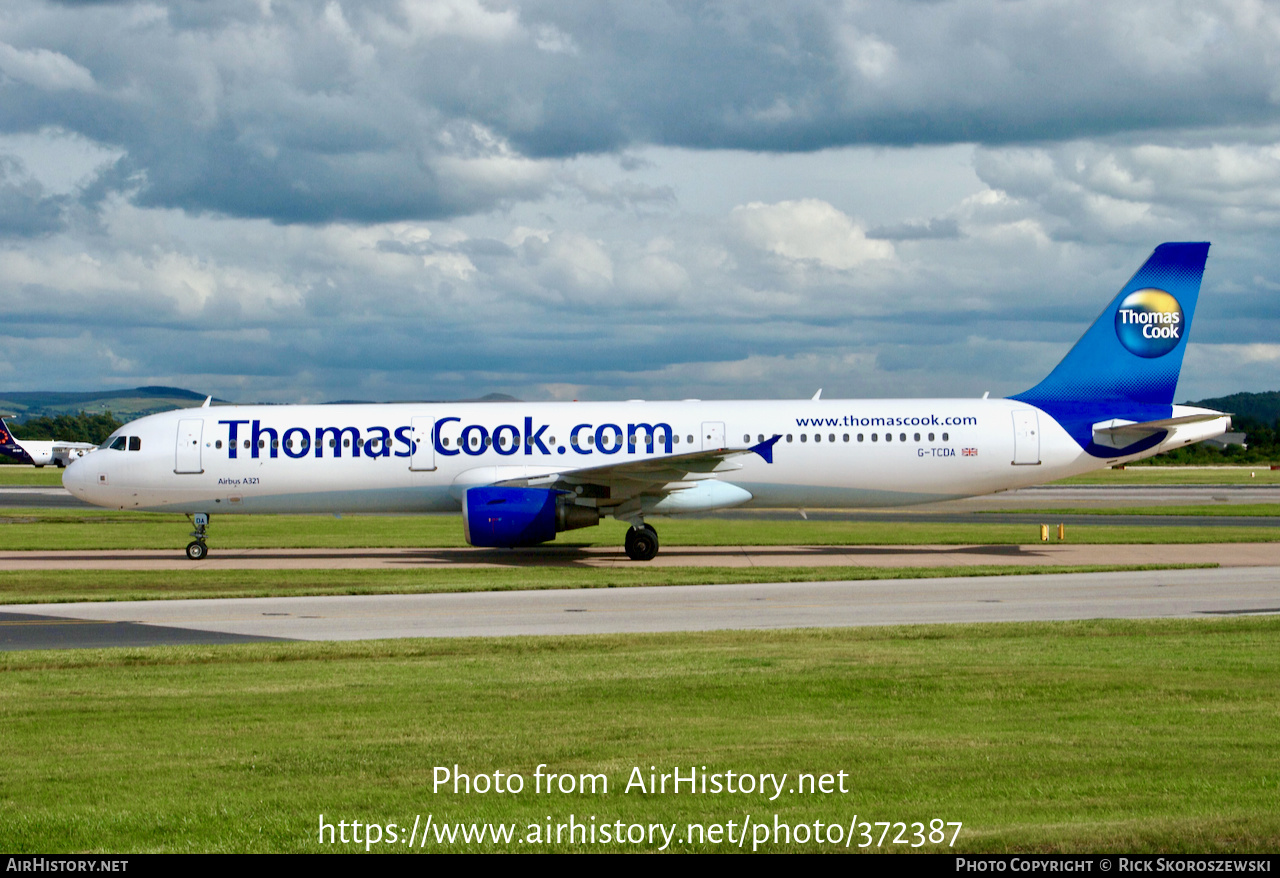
column 196, row 549
column 641, row 543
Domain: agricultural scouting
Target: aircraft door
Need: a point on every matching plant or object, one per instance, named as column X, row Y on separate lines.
column 1026, row 437
column 423, row 458
column 712, row 435
column 187, row 458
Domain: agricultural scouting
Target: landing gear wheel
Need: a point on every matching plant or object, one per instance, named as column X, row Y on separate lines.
column 641, row 543
column 196, row 549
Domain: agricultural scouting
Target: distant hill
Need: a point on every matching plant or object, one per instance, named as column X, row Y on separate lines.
column 125, row 404
column 1263, row 407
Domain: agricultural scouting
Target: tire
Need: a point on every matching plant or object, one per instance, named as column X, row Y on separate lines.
column 197, row 550
column 641, row 543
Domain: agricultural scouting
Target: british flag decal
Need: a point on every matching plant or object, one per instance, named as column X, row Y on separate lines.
column 968, row 452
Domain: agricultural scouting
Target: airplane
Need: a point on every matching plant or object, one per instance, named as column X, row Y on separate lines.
column 520, row 473
column 41, row 452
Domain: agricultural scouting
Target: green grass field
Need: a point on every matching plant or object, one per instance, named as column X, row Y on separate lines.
column 29, row 475
column 88, row 530
column 1088, row 736
column 1251, row 510
column 1179, row 475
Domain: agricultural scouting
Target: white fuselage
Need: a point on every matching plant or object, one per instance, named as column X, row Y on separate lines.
column 386, row 458
column 45, row 452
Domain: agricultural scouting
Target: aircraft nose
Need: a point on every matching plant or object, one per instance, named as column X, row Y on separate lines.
column 76, row 478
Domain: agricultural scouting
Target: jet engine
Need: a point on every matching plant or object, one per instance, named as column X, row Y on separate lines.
column 494, row 517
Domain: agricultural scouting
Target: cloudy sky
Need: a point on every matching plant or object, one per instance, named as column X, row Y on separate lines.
column 432, row 199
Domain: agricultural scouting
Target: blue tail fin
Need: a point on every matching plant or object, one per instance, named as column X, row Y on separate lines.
column 10, row 448
column 1126, row 366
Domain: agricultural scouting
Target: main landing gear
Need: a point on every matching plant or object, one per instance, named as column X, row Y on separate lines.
column 196, row 549
column 641, row 543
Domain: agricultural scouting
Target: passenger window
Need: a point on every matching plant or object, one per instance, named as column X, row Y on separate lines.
column 246, row 443
column 689, row 439
column 846, row 437
column 875, row 437
column 930, row 437
column 888, row 437
column 945, row 437
column 788, row 437
column 917, row 439
column 218, row 444
column 804, row 437
column 262, row 443
column 832, row 438
column 747, row 438
column 902, row 437
column 859, row 437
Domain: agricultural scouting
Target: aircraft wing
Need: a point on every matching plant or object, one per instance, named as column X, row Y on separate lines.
column 614, row 484
column 73, row 446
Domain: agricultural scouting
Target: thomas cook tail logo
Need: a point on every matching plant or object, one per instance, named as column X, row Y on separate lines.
column 4, row 437
column 1149, row 323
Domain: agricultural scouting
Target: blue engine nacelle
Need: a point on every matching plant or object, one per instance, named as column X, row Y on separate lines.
column 508, row 517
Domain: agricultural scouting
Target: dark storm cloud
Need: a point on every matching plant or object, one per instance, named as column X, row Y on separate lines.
column 311, row 112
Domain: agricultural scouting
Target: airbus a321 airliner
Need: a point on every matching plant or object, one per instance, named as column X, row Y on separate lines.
column 522, row 472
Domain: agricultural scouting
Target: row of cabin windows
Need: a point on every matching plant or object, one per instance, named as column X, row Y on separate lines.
column 503, row 442
column 135, row 444
column 861, row 437
column 120, row 443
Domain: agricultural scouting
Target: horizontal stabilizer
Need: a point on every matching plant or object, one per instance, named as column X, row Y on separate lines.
column 1118, row 433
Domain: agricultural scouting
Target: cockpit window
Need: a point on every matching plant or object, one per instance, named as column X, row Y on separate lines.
column 135, row 443
column 118, row 443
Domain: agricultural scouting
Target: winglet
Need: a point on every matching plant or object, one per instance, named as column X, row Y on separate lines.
column 207, row 400
column 765, row 448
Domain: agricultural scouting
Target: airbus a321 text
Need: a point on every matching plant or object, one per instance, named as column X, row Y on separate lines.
column 522, row 472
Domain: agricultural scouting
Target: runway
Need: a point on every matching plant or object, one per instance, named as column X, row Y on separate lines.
column 569, row 555
column 1134, row 595
column 1247, row 581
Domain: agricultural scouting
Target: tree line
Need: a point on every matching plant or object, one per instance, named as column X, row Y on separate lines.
column 1260, row 437
column 82, row 427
